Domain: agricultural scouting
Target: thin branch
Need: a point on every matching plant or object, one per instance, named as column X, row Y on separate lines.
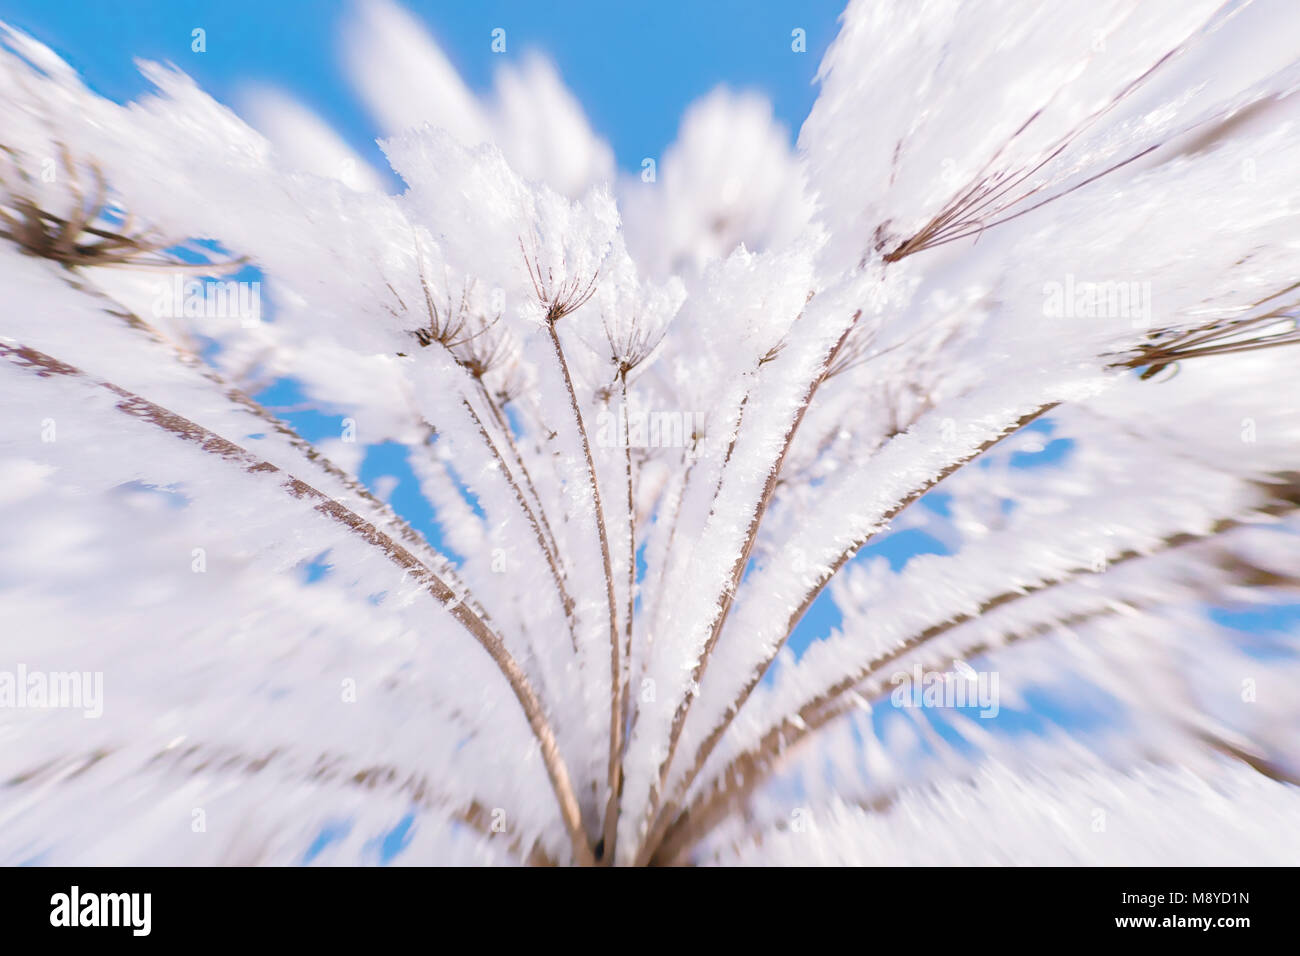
column 503, row 427
column 615, row 666
column 557, row 576
column 193, row 759
column 624, row 689
column 958, row 220
column 715, row 736
column 137, row 407
column 1218, row 337
column 1250, row 758
column 560, row 299
column 727, row 597
column 751, row 768
column 70, row 240
column 378, row 511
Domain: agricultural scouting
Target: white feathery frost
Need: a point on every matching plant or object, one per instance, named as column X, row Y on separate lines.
column 1024, row 290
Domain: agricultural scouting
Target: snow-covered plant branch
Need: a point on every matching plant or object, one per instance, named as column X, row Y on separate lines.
column 985, row 381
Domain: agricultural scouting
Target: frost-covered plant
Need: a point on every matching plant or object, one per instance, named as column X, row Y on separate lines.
column 654, row 424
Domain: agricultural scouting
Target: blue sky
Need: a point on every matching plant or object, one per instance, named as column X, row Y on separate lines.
column 634, row 67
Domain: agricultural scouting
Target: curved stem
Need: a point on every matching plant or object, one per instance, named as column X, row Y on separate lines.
column 727, row 598
column 566, row 602
column 503, row 425
column 45, row 366
column 744, row 773
column 715, row 736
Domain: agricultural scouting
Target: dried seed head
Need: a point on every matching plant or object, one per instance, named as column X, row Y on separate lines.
column 1267, row 323
column 630, row 343
column 80, row 236
column 558, row 298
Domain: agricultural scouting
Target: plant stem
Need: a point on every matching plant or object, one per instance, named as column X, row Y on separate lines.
column 615, row 665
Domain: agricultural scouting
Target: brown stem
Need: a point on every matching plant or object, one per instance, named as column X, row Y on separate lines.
column 726, row 599
column 376, row 510
column 715, row 736
column 565, row 600
column 140, row 408
column 326, row 768
column 657, row 593
column 948, row 227
column 1255, row 761
column 615, row 664
column 658, row 590
column 503, row 425
column 624, row 689
column 748, row 770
